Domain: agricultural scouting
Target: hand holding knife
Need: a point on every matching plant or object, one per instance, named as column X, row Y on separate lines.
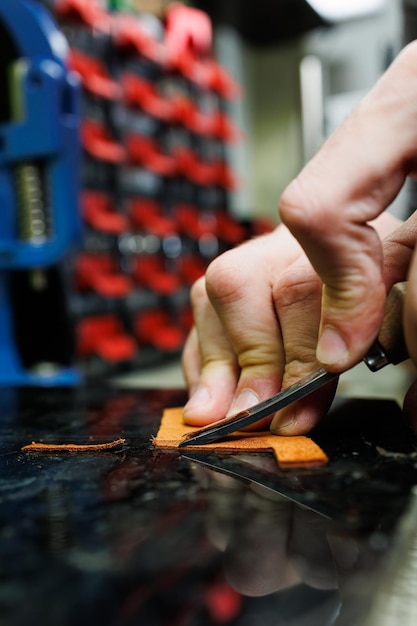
column 388, row 348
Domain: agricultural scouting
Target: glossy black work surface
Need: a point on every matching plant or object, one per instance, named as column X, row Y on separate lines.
column 137, row 536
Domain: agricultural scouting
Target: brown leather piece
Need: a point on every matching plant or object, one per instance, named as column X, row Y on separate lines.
column 292, row 451
column 71, row 447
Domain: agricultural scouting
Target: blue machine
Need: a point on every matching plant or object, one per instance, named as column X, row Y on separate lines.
column 39, row 188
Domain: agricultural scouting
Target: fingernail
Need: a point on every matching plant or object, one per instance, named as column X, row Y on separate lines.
column 331, row 348
column 245, row 399
column 282, row 420
column 199, row 397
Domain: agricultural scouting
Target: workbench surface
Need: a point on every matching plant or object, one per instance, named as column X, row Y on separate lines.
column 135, row 535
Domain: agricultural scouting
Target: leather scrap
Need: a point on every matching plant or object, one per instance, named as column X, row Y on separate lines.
column 71, row 447
column 288, row 451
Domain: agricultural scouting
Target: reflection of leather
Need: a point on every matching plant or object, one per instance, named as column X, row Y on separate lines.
column 293, row 451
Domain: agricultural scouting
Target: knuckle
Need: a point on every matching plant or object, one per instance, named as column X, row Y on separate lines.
column 297, row 209
column 297, row 284
column 223, row 279
column 252, row 357
column 300, row 352
column 299, row 367
column 307, row 205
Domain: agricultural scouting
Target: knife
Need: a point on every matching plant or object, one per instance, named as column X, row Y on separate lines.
column 389, row 347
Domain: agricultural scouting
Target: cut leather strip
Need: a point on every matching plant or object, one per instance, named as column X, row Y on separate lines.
column 71, row 447
column 292, row 451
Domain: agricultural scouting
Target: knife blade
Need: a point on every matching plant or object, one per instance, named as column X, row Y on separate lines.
column 389, row 347
column 303, row 387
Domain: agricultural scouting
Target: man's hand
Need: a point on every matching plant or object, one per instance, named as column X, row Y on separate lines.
column 257, row 314
column 273, row 309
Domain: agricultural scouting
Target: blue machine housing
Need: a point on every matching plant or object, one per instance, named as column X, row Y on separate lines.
column 49, row 131
column 45, row 132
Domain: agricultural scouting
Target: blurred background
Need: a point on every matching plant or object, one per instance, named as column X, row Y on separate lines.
column 142, row 138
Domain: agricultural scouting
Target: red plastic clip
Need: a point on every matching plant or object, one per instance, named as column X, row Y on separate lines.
column 105, row 336
column 141, row 210
column 100, row 213
column 160, row 225
column 188, row 29
column 98, row 142
column 225, row 177
column 224, row 128
column 188, row 114
column 144, row 150
column 94, row 75
column 185, row 63
column 88, row 11
column 229, row 229
column 188, row 39
column 99, row 272
column 141, row 93
column 154, row 327
column 149, row 272
column 129, row 34
column 192, row 222
column 220, row 80
column 191, row 268
column 195, row 170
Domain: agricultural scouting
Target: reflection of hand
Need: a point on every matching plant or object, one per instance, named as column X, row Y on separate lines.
column 262, row 317
column 282, row 545
column 268, row 542
column 271, row 544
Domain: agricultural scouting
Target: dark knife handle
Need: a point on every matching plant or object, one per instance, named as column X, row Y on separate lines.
column 390, row 345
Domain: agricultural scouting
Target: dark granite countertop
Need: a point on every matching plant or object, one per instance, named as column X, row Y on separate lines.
column 136, row 536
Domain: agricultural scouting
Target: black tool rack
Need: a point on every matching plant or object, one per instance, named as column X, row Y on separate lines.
column 155, row 178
